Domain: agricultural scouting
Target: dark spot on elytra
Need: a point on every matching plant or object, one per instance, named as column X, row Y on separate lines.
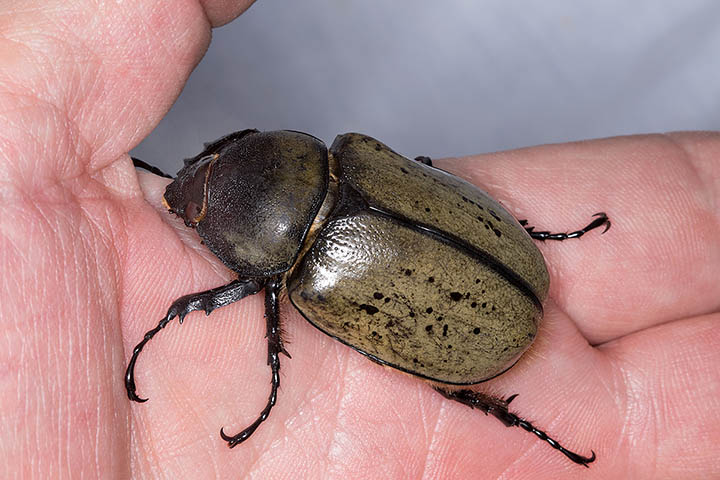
column 378, row 147
column 427, row 209
column 387, row 299
column 415, row 360
column 493, row 308
column 494, row 215
column 403, row 170
column 484, row 304
column 371, row 310
column 412, row 314
column 378, row 295
column 429, row 310
column 531, row 335
column 428, row 328
column 498, row 233
column 408, row 272
column 321, row 297
column 389, row 324
column 480, row 218
column 476, row 330
column 456, row 296
column 473, row 304
column 477, row 280
column 464, row 198
column 445, row 328
column 440, row 318
column 431, row 279
column 505, row 349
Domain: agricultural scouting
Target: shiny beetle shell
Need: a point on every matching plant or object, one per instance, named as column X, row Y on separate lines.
column 407, row 264
column 420, row 270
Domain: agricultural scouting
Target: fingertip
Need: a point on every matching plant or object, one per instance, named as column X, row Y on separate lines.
column 221, row 12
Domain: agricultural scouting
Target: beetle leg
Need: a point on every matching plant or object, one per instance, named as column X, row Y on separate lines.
column 207, row 301
column 424, row 160
column 275, row 348
column 499, row 409
column 542, row 236
column 150, row 168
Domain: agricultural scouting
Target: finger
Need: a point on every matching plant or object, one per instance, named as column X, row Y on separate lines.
column 667, row 390
column 660, row 259
column 89, row 80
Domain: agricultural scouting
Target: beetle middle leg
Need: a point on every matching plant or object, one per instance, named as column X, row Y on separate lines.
column 207, row 301
column 499, row 409
column 275, row 348
column 602, row 219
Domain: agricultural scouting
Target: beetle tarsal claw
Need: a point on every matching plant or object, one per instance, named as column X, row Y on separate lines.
column 498, row 408
column 601, row 220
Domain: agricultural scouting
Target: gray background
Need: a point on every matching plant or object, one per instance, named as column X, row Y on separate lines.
column 452, row 77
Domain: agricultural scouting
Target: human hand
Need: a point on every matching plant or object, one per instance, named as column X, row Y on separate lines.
column 91, row 260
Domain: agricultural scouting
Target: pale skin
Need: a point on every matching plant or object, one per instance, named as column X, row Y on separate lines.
column 625, row 363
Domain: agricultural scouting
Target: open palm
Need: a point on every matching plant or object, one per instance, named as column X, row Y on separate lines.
column 625, row 362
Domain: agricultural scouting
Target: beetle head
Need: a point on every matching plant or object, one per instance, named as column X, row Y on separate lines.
column 187, row 195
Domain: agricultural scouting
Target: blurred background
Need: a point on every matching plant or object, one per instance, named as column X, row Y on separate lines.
column 452, row 77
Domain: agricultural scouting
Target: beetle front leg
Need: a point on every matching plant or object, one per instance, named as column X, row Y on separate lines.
column 542, row 236
column 499, row 409
column 207, row 301
column 275, row 348
column 137, row 163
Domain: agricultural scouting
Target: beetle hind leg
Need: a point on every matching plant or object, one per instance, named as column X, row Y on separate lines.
column 275, row 348
column 208, row 301
column 499, row 409
column 601, row 220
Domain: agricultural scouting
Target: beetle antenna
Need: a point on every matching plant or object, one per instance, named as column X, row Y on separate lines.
column 498, row 408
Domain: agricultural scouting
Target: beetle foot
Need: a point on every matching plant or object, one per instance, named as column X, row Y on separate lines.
column 207, row 301
column 275, row 348
column 602, row 220
column 498, row 408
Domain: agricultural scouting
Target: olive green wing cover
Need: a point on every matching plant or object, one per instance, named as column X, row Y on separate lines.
column 430, row 197
column 412, row 300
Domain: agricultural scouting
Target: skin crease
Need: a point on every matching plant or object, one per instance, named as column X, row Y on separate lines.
column 625, row 362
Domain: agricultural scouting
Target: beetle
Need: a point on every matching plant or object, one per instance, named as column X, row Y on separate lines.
column 405, row 263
